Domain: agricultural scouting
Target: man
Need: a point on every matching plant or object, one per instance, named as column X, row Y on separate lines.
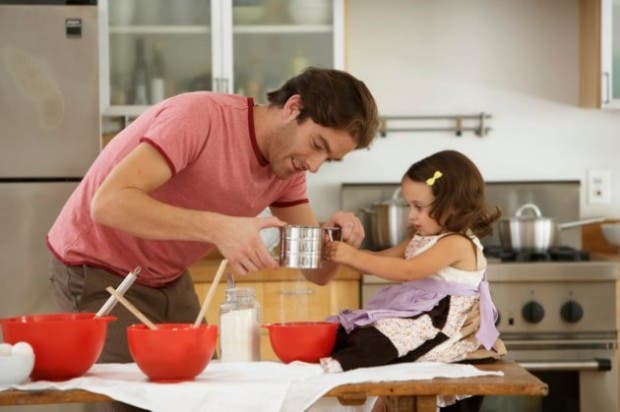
column 190, row 175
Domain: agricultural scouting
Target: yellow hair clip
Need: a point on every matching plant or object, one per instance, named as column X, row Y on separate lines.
column 431, row 180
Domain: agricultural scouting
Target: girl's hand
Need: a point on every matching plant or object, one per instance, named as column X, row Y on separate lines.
column 339, row 252
column 352, row 228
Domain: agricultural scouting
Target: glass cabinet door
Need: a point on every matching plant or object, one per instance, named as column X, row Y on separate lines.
column 157, row 48
column 273, row 40
column 610, row 53
column 615, row 54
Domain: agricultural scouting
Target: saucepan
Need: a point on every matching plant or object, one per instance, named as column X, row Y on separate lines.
column 389, row 221
column 532, row 232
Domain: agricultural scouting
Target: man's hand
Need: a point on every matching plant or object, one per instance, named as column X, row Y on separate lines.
column 239, row 241
column 352, row 228
column 340, row 252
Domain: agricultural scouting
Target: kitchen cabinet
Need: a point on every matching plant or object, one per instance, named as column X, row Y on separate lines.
column 599, row 53
column 284, row 296
column 152, row 49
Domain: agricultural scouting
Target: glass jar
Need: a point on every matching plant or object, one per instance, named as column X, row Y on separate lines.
column 240, row 326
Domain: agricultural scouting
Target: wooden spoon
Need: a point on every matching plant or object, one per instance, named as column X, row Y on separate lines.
column 130, row 307
column 121, row 289
column 205, row 304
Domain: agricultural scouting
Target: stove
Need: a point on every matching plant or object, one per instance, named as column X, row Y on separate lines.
column 559, row 320
column 561, row 299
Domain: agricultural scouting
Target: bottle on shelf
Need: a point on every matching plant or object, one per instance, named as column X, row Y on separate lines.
column 139, row 76
column 158, row 75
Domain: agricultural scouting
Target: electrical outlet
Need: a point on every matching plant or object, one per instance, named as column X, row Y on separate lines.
column 599, row 186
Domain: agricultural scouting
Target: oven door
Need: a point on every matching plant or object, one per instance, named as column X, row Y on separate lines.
column 582, row 377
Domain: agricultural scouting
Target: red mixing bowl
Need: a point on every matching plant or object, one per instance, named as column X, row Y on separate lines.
column 174, row 351
column 65, row 345
column 302, row 341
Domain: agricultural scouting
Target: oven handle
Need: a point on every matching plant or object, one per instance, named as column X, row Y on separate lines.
column 597, row 364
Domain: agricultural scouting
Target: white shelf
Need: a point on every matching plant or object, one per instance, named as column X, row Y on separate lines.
column 284, row 28
column 193, row 29
column 249, row 29
column 131, row 111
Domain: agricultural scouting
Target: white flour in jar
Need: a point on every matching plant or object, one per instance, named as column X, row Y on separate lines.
column 240, row 336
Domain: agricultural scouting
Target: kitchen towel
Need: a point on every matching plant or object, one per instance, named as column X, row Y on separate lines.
column 242, row 386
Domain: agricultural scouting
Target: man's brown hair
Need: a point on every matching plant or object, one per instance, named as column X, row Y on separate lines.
column 335, row 99
column 460, row 202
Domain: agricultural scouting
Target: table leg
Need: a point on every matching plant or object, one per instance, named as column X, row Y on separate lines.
column 426, row 403
column 420, row 403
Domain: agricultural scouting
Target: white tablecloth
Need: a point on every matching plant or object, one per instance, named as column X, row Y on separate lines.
column 243, row 386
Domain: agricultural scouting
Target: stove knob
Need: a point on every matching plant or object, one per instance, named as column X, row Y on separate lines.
column 533, row 312
column 571, row 311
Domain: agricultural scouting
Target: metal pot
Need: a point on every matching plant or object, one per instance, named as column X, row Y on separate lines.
column 389, row 221
column 533, row 232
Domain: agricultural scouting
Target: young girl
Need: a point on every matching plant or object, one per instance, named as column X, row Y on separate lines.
column 442, row 311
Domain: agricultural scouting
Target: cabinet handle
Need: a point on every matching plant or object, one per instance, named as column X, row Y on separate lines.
column 580, row 365
column 607, row 88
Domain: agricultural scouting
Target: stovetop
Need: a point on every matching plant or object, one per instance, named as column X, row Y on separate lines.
column 533, row 272
column 559, row 263
column 553, row 254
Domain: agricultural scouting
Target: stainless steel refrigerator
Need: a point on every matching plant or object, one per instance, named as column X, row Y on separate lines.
column 49, row 135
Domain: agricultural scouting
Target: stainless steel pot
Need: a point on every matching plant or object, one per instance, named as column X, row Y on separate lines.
column 533, row 232
column 389, row 221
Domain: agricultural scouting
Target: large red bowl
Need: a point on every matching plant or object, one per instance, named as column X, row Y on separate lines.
column 174, row 351
column 65, row 345
column 302, row 341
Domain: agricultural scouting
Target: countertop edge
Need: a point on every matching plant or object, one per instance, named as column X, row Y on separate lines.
column 204, row 271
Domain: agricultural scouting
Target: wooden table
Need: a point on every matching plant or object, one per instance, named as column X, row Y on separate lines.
column 411, row 396
column 420, row 395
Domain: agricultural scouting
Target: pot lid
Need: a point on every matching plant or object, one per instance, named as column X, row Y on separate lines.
column 528, row 212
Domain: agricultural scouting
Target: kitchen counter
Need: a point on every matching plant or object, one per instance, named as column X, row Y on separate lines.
column 614, row 257
column 204, row 271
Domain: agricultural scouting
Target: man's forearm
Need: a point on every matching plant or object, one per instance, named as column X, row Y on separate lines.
column 138, row 214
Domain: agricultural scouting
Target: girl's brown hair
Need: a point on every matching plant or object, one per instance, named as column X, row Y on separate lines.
column 332, row 98
column 460, row 202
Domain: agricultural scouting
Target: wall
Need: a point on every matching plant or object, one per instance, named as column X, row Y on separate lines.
column 517, row 60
